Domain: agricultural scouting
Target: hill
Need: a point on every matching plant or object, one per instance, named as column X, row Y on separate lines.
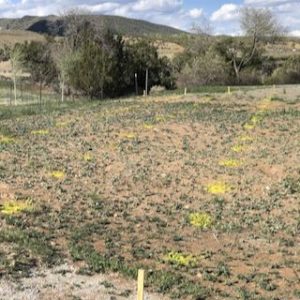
column 55, row 26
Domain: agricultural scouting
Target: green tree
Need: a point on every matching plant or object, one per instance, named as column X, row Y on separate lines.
column 16, row 58
column 258, row 25
column 39, row 63
column 206, row 69
column 143, row 56
column 98, row 64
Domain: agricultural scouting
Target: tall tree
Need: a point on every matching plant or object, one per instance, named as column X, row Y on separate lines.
column 65, row 52
column 62, row 56
column 143, row 56
column 16, row 58
column 38, row 61
column 257, row 25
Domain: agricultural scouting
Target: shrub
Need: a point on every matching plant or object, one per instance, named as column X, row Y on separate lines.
column 207, row 69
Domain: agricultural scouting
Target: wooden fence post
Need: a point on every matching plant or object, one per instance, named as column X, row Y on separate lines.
column 136, row 84
column 146, row 83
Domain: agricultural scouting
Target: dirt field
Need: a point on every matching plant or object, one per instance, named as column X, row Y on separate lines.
column 11, row 37
column 201, row 191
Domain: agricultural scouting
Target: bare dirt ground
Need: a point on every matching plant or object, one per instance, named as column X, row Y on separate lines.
column 201, row 191
column 63, row 283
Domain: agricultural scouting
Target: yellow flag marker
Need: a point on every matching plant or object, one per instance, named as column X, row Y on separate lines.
column 140, row 292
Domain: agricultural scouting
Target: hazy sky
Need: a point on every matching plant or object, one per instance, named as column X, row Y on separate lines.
column 222, row 14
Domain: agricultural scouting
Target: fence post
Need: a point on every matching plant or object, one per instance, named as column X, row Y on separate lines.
column 10, row 93
column 136, row 84
column 146, row 87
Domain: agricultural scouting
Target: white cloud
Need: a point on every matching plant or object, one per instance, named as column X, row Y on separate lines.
column 269, row 2
column 100, row 8
column 227, row 12
column 195, row 13
column 295, row 33
column 157, row 5
column 226, row 18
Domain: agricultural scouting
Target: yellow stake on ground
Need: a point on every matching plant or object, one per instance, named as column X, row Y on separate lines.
column 140, row 291
column 229, row 90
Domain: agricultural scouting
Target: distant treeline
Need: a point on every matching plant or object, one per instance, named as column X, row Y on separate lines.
column 95, row 62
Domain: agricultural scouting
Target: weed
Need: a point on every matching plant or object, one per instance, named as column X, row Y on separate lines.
column 218, row 187
column 58, row 174
column 6, row 140
column 231, row 163
column 40, row 132
column 15, row 207
column 180, row 259
column 201, row 220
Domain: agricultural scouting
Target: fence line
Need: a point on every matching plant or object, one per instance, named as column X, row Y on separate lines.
column 27, row 93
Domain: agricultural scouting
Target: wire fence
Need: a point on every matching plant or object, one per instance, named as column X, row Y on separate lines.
column 26, row 93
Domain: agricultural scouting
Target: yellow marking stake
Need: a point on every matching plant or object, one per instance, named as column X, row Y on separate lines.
column 130, row 136
column 140, row 291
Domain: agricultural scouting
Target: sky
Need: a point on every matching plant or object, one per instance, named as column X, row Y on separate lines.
column 222, row 15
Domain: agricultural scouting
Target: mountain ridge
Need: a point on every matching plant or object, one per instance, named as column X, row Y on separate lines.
column 54, row 25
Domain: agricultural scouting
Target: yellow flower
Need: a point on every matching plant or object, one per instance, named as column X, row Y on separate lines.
column 15, row 207
column 160, row 119
column 62, row 124
column 238, row 148
column 201, row 220
column 218, row 188
column 249, row 126
column 246, row 138
column 148, row 126
column 180, row 259
column 40, row 132
column 58, row 174
column 264, row 104
column 231, row 163
column 6, row 140
column 87, row 157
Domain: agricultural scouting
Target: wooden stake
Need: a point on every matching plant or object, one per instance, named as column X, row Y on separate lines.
column 136, row 84
column 185, row 91
column 146, row 83
column 140, row 291
column 229, row 90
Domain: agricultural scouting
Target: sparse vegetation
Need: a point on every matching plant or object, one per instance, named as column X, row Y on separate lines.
column 210, row 226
